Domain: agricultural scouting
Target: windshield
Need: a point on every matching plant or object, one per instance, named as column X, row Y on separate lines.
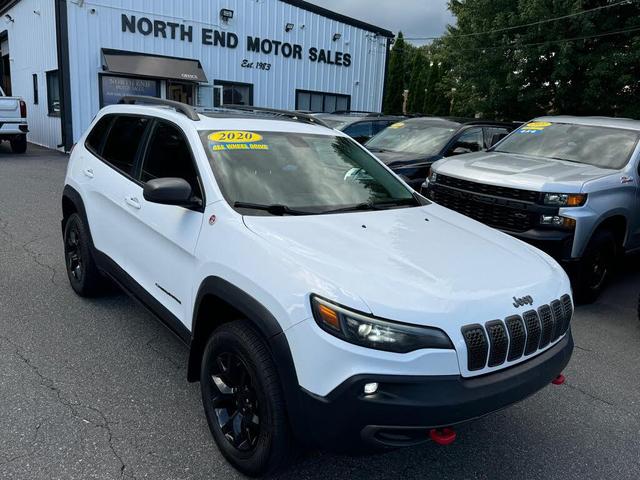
column 602, row 147
column 307, row 173
column 412, row 137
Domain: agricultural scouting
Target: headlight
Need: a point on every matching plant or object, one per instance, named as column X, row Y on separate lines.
column 433, row 176
column 366, row 331
column 565, row 199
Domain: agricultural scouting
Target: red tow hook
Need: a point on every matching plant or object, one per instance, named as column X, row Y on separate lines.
column 442, row 436
column 559, row 380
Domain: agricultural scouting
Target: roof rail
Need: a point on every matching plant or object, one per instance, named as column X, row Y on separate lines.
column 183, row 108
column 301, row 117
column 363, row 112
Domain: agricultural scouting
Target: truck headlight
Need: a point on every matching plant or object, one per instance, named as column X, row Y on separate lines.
column 558, row 221
column 367, row 331
column 433, row 176
column 565, row 199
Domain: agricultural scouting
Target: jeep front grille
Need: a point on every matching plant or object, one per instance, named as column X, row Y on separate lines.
column 497, row 341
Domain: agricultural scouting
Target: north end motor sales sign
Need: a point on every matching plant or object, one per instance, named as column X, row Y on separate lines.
column 207, row 36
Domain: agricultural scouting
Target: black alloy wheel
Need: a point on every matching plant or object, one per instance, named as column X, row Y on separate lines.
column 73, row 253
column 235, row 402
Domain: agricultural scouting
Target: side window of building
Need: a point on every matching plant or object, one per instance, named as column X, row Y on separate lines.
column 123, row 142
column 95, row 139
column 53, row 93
column 469, row 141
column 321, row 102
column 168, row 155
column 236, row 93
column 493, row 135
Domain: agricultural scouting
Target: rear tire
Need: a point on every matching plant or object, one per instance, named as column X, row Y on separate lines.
column 595, row 268
column 243, row 400
column 19, row 144
column 84, row 276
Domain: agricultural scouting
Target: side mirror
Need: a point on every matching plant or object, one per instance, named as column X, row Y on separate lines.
column 460, row 151
column 169, row 191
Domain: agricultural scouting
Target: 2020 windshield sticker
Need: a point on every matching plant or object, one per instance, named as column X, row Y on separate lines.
column 236, row 140
column 397, row 125
column 534, row 127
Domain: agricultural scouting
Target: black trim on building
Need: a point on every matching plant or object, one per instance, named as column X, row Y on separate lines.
column 62, row 40
column 339, row 17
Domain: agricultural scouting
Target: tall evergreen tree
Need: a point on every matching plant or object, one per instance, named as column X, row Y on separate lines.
column 418, row 82
column 396, row 76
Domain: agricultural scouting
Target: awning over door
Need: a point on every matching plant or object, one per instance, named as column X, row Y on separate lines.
column 156, row 66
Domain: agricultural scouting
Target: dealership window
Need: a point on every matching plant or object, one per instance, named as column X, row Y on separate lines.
column 322, row 102
column 236, row 93
column 114, row 87
column 35, row 89
column 53, row 93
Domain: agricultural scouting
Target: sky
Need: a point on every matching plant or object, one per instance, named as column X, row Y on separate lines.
column 422, row 18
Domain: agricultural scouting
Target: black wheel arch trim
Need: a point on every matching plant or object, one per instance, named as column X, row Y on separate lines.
column 268, row 327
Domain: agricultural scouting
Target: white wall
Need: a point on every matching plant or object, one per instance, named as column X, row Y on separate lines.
column 97, row 24
column 32, row 47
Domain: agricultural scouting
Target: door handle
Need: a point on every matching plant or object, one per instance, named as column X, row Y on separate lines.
column 88, row 172
column 133, row 202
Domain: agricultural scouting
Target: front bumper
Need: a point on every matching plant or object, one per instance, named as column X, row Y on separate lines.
column 404, row 408
column 554, row 242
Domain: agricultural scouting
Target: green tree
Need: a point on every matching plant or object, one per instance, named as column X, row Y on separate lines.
column 397, row 77
column 418, row 81
column 500, row 67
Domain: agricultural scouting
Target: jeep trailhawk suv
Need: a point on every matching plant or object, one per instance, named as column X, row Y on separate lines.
column 324, row 302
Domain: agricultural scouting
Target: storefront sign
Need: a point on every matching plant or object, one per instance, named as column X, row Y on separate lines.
column 113, row 88
column 207, row 36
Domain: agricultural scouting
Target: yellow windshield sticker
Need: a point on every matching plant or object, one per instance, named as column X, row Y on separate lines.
column 534, row 127
column 235, row 136
column 397, row 125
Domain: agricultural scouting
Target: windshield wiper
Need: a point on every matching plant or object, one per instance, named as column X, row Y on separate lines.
column 274, row 209
column 375, row 206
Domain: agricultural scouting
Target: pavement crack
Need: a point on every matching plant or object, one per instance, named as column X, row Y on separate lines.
column 598, row 399
column 73, row 407
column 31, row 450
column 35, row 257
column 150, row 344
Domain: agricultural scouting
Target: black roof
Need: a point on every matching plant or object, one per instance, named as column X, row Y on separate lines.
column 6, row 4
column 462, row 121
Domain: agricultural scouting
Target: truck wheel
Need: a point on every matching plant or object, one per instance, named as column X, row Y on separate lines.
column 84, row 276
column 595, row 267
column 19, row 144
column 243, row 400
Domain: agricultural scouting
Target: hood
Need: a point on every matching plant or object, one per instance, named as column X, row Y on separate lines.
column 423, row 265
column 399, row 159
column 521, row 171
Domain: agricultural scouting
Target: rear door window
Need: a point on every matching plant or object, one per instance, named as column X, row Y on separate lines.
column 95, row 139
column 168, row 155
column 123, row 142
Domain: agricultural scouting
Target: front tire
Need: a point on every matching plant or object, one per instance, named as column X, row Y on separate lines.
column 243, row 400
column 84, row 276
column 19, row 144
column 595, row 267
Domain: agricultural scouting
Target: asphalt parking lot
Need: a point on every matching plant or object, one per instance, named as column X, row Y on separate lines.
column 97, row 388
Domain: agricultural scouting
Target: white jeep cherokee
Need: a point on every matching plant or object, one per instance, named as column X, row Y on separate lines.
column 324, row 302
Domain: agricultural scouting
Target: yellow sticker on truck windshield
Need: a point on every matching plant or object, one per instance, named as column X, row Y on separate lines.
column 236, row 140
column 397, row 125
column 534, row 127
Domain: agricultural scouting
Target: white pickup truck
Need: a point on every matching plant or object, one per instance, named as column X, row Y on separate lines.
column 13, row 122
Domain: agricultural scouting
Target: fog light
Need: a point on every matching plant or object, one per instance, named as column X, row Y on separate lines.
column 557, row 221
column 370, row 388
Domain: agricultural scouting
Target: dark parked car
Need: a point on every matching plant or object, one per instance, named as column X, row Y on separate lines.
column 410, row 146
column 361, row 126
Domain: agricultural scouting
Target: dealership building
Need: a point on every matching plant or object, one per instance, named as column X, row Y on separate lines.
column 68, row 58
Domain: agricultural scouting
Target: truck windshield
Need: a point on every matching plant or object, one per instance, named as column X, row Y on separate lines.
column 419, row 138
column 602, row 147
column 282, row 173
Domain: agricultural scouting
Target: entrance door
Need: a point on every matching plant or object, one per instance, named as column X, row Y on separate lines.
column 181, row 92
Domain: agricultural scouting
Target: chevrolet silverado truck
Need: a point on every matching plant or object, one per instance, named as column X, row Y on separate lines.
column 13, row 122
column 568, row 185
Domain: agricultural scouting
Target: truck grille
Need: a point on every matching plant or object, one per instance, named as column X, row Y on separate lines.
column 497, row 341
column 491, row 190
column 498, row 207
